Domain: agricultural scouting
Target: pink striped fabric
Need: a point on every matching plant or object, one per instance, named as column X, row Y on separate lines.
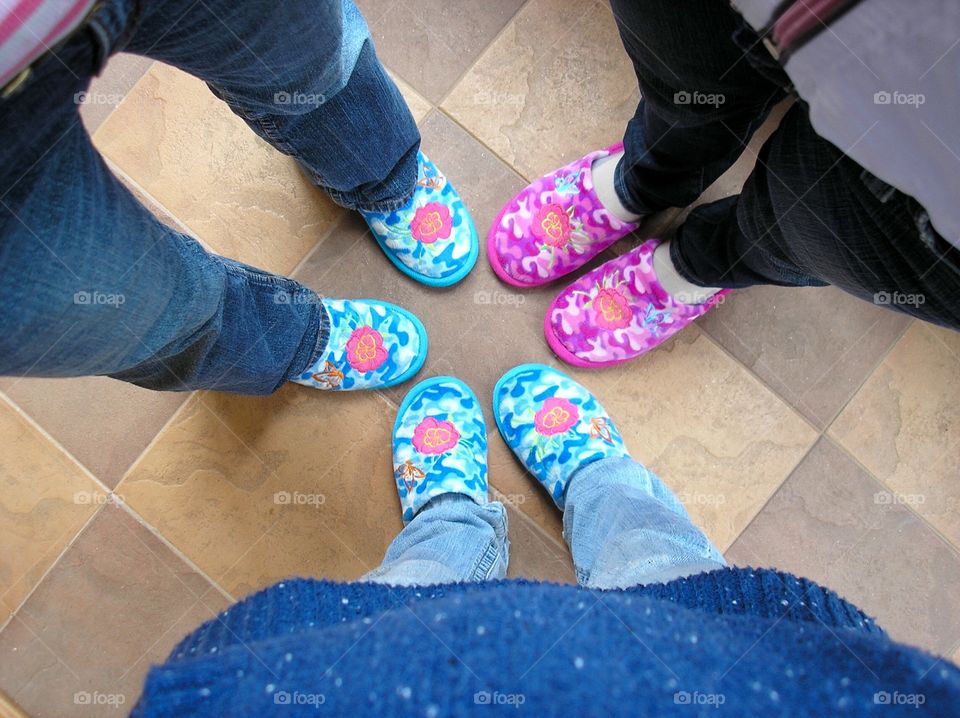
column 28, row 28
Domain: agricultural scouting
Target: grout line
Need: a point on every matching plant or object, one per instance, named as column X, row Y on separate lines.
column 776, row 491
column 174, row 550
column 869, row 376
column 156, row 437
column 883, row 484
column 32, row 423
column 480, row 55
column 483, row 144
column 15, row 612
column 146, row 71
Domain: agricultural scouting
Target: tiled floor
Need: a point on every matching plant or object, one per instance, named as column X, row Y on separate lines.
column 802, row 428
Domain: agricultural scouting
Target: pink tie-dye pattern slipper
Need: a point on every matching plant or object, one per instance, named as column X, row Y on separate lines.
column 554, row 226
column 617, row 312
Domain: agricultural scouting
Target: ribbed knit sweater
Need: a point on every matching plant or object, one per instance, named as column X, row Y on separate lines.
column 742, row 642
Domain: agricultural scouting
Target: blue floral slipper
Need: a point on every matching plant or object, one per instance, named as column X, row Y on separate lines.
column 553, row 424
column 371, row 345
column 432, row 237
column 439, row 444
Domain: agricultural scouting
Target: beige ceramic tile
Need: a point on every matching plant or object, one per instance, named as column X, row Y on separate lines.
column 254, row 489
column 45, row 498
column 108, row 90
column 432, row 42
column 904, row 424
column 104, row 423
column 830, row 522
column 716, row 436
column 116, row 602
column 185, row 148
column 554, row 85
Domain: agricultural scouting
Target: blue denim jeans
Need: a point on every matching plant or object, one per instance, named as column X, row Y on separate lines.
column 623, row 525
column 808, row 215
column 92, row 283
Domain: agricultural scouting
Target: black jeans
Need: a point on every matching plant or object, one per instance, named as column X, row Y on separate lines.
column 808, row 215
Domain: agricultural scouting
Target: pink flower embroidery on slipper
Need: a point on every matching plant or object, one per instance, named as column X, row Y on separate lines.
column 552, row 225
column 365, row 350
column 431, row 222
column 611, row 309
column 435, row 437
column 556, row 416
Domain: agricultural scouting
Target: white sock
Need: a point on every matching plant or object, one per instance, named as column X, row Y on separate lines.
column 674, row 284
column 603, row 170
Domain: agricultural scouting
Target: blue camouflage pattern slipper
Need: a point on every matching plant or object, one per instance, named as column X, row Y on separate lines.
column 371, row 345
column 553, row 424
column 431, row 238
column 439, row 444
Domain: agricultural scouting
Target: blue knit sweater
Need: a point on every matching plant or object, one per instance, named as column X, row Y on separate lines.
column 738, row 642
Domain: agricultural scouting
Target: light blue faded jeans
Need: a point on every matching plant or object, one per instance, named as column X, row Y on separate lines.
column 623, row 525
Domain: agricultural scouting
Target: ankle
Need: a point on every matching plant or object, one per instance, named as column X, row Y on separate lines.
column 604, row 172
column 675, row 284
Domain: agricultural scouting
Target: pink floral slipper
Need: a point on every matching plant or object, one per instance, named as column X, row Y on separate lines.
column 554, row 226
column 617, row 312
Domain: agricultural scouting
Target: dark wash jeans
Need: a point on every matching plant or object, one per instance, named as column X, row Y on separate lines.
column 92, row 283
column 807, row 216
